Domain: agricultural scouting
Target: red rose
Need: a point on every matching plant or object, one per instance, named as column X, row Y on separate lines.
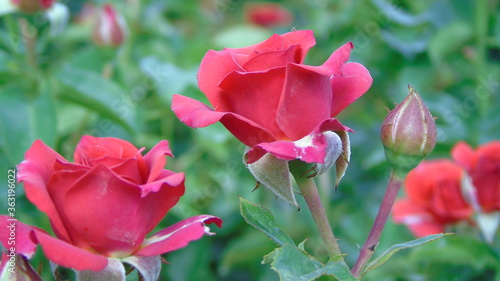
column 434, row 198
column 103, row 205
column 483, row 166
column 268, row 14
column 272, row 102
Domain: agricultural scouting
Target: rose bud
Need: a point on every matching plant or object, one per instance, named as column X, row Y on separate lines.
column 110, row 28
column 408, row 134
column 268, row 14
column 32, row 6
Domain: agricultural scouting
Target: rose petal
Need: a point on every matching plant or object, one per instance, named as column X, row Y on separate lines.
column 311, row 148
column 35, row 171
column 23, row 236
column 95, row 210
column 91, row 147
column 67, row 255
column 215, row 65
column 155, row 159
column 418, row 220
column 334, row 64
column 195, row 114
column 104, row 210
column 273, row 59
column 157, row 204
column 305, row 102
column 165, row 177
column 486, row 179
column 178, row 235
column 464, row 155
column 58, row 185
column 254, row 96
column 448, row 202
column 421, row 182
column 303, row 37
column 490, row 150
column 353, row 82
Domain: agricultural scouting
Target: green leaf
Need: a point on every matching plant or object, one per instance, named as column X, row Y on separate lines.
column 384, row 257
column 246, row 249
column 24, row 119
column 458, row 250
column 169, row 78
column 448, row 40
column 96, row 93
column 293, row 264
column 262, row 219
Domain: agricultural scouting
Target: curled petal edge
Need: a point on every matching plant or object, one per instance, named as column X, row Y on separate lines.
column 310, row 149
column 178, row 235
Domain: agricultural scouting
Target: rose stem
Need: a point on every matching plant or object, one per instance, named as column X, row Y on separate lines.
column 310, row 192
column 383, row 213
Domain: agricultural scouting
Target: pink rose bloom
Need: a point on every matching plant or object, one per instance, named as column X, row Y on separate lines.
column 102, row 206
column 272, row 102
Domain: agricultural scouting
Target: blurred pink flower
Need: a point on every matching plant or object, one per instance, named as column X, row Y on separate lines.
column 110, row 28
column 32, row 6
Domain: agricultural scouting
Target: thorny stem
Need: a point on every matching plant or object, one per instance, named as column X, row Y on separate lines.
column 313, row 200
column 383, row 213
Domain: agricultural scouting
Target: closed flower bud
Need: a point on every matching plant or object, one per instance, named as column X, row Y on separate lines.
column 32, row 6
column 408, row 134
column 110, row 29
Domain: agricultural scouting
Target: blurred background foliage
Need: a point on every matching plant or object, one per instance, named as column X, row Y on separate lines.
column 449, row 51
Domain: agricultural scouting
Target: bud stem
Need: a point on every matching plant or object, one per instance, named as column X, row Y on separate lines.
column 310, row 192
column 383, row 213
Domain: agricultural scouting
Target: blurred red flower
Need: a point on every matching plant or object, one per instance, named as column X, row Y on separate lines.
column 434, row 198
column 483, row 166
column 32, row 6
column 272, row 102
column 103, row 205
column 268, row 14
